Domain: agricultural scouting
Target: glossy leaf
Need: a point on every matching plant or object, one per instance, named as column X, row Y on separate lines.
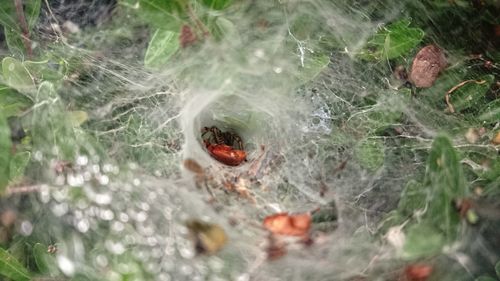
column 11, row 268
column 5, row 150
column 18, row 164
column 162, row 46
column 17, row 76
column 392, row 41
column 217, row 4
column 370, row 154
column 12, row 102
column 45, row 261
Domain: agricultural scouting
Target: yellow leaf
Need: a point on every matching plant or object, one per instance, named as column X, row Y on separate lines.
column 77, row 117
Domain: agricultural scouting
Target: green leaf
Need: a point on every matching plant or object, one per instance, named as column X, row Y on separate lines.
column 51, row 130
column 446, row 181
column 5, row 148
column 45, row 262
column 18, row 164
column 381, row 118
column 32, row 11
column 161, row 47
column 11, row 268
column 14, row 41
column 17, row 76
column 313, row 65
column 422, row 241
column 392, row 41
column 217, row 4
column 160, row 14
column 491, row 112
column 12, row 102
column 470, row 95
column 45, row 70
column 370, row 154
column 222, row 27
column 11, row 22
column 8, row 14
column 413, row 198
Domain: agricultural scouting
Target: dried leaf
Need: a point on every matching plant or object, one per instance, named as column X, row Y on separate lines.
column 193, row 166
column 276, row 248
column 427, row 65
column 496, row 139
column 209, row 238
column 285, row 224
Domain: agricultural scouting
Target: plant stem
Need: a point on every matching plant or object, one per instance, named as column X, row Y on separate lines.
column 24, row 26
column 197, row 20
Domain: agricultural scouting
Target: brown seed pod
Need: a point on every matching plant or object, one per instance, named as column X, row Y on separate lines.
column 427, row 65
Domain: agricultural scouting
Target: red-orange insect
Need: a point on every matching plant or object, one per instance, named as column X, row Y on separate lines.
column 285, row 224
column 418, row 272
column 226, row 154
column 226, row 147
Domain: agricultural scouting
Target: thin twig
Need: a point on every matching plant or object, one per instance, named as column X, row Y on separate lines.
column 55, row 30
column 24, row 26
column 451, row 109
column 22, row 190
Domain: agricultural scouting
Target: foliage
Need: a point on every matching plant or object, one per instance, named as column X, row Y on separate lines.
column 393, row 41
column 68, row 104
column 13, row 28
column 11, row 268
column 162, row 46
column 440, row 223
column 5, row 145
column 370, row 154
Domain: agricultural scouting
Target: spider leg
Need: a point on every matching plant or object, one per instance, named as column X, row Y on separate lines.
column 237, row 140
column 204, row 131
column 218, row 135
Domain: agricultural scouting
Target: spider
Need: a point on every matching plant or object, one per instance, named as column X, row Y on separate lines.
column 219, row 137
column 226, row 147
